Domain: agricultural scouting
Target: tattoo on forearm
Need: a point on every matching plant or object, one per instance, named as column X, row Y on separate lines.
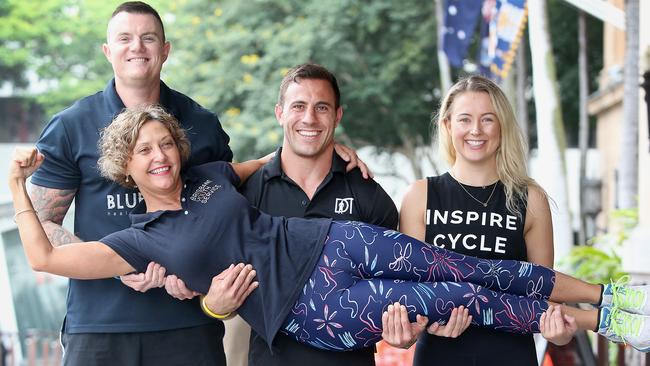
column 58, row 235
column 52, row 205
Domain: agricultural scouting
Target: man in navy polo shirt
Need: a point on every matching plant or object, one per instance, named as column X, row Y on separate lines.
column 108, row 323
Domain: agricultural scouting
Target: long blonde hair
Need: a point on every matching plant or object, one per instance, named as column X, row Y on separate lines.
column 512, row 151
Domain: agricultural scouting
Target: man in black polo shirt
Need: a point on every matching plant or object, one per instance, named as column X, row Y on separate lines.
column 306, row 178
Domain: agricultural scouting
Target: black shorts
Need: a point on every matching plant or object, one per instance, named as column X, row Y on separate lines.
column 199, row 346
column 288, row 352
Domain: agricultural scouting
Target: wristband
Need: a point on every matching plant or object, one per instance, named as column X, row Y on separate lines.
column 209, row 312
column 22, row 212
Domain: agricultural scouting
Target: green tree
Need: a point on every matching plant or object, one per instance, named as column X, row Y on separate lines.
column 564, row 33
column 60, row 40
column 232, row 55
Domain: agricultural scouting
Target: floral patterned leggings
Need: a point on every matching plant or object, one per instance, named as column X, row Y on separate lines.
column 364, row 268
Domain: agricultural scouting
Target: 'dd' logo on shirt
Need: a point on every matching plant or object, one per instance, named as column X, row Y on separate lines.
column 343, row 205
column 205, row 190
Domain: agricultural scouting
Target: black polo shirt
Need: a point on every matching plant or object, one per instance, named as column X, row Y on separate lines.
column 340, row 196
column 215, row 227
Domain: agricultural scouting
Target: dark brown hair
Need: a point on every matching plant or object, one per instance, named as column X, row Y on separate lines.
column 138, row 7
column 309, row 71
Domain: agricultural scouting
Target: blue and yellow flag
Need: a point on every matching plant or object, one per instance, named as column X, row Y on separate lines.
column 507, row 21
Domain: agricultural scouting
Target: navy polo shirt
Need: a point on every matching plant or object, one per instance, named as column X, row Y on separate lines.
column 216, row 227
column 341, row 196
column 69, row 143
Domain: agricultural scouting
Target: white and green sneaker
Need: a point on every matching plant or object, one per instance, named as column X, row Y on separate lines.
column 622, row 327
column 633, row 299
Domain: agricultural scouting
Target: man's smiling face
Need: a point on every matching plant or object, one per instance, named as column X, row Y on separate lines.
column 309, row 117
column 136, row 48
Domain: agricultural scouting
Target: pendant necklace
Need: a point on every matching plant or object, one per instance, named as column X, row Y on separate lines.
column 484, row 204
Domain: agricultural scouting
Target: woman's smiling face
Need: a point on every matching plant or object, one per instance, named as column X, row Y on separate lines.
column 474, row 127
column 155, row 162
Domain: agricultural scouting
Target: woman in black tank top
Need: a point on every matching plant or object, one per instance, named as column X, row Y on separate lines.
column 486, row 206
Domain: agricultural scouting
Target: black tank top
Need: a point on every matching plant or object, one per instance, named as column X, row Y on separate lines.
column 467, row 220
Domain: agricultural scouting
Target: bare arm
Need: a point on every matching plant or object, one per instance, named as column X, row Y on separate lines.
column 414, row 206
column 52, row 205
column 538, row 229
column 247, row 168
column 80, row 260
column 556, row 327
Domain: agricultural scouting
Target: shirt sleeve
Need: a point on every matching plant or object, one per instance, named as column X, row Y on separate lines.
column 383, row 211
column 205, row 132
column 378, row 208
column 224, row 153
column 125, row 244
column 229, row 173
column 59, row 170
column 220, row 144
column 252, row 188
column 220, row 169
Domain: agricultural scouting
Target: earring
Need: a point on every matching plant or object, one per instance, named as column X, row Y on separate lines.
column 127, row 179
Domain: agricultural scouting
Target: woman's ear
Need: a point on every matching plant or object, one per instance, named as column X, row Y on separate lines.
column 446, row 123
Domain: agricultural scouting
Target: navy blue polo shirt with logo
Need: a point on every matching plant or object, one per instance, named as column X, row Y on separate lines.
column 69, row 143
column 217, row 226
column 341, row 196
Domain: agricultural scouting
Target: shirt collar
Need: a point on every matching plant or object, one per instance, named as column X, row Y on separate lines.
column 117, row 105
column 273, row 168
column 139, row 215
column 191, row 176
column 338, row 164
column 166, row 100
column 112, row 99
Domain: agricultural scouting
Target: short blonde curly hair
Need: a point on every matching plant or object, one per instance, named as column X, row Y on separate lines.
column 117, row 140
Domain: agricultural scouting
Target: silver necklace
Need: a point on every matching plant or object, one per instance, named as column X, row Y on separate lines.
column 485, row 204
